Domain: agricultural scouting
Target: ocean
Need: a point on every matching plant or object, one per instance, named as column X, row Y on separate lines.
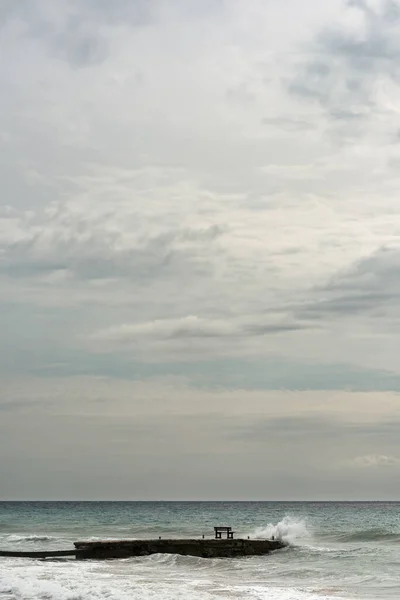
column 335, row 550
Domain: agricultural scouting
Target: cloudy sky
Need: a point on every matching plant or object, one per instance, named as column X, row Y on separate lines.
column 199, row 249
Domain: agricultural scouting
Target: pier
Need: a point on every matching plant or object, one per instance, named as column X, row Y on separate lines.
column 217, row 547
column 211, row 548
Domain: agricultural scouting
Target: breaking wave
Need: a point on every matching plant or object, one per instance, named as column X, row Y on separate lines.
column 291, row 530
column 30, row 538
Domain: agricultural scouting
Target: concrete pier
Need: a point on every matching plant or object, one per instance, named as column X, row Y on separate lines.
column 219, row 547
column 225, row 548
column 205, row 548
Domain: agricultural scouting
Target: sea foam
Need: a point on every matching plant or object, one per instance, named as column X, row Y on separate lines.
column 292, row 530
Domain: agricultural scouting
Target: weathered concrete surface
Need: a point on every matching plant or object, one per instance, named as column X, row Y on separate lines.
column 187, row 547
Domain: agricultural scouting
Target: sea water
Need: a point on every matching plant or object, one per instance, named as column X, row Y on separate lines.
column 335, row 550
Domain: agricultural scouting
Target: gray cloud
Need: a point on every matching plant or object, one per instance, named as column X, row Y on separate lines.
column 40, row 16
column 75, row 31
column 349, row 66
column 74, row 248
column 373, row 461
column 288, row 124
column 322, row 428
column 136, row 13
column 377, row 272
column 80, row 50
column 271, row 438
column 370, row 287
column 290, row 428
column 377, row 40
column 193, row 327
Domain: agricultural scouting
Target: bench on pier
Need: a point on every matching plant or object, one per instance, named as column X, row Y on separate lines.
column 220, row 530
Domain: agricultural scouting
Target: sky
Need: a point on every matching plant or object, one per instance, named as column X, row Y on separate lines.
column 199, row 249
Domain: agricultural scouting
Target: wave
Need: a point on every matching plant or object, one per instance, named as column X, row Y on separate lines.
column 178, row 560
column 30, row 538
column 365, row 535
column 291, row 530
column 298, row 532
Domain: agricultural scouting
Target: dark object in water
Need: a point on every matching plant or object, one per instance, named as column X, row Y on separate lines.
column 212, row 548
column 206, row 548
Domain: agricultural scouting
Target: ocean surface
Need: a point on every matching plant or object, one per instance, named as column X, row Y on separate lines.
column 336, row 550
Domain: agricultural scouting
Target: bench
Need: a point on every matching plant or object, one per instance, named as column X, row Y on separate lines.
column 220, row 530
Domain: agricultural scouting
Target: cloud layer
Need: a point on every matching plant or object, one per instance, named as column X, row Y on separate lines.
column 206, row 190
column 166, row 439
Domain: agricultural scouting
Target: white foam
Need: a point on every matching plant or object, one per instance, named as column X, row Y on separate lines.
column 291, row 530
column 122, row 580
column 142, row 579
column 278, row 593
column 29, row 538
